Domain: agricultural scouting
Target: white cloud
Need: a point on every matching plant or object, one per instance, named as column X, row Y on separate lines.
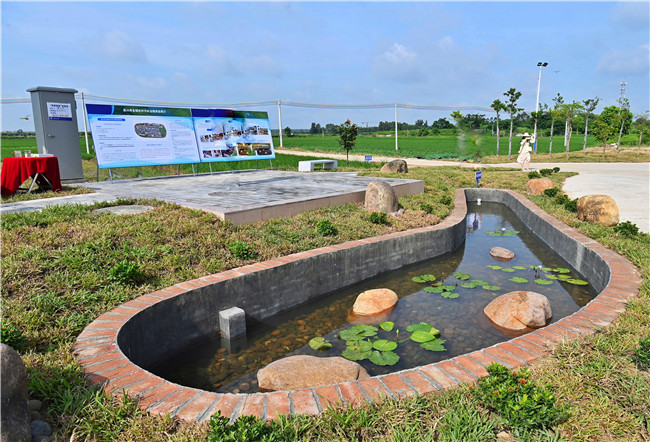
column 397, row 54
column 626, row 62
column 151, row 83
column 119, row 45
column 399, row 64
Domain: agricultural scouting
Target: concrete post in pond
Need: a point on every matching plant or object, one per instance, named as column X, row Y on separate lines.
column 57, row 133
column 232, row 322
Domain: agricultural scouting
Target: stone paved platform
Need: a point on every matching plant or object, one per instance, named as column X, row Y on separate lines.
column 240, row 197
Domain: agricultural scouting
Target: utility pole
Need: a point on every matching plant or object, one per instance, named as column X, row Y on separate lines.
column 541, row 64
column 280, row 118
column 396, row 148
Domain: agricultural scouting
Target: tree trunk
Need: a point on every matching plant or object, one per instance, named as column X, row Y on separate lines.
column 498, row 135
column 566, row 134
column 620, row 134
column 550, row 145
column 510, row 139
column 568, row 141
column 584, row 144
column 640, row 139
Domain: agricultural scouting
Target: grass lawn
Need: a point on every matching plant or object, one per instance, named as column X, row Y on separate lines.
column 56, row 278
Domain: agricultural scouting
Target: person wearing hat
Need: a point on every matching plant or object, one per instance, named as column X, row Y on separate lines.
column 524, row 152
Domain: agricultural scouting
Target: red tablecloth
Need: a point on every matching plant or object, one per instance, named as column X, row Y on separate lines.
column 16, row 170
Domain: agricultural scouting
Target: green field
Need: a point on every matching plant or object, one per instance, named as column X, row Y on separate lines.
column 446, row 146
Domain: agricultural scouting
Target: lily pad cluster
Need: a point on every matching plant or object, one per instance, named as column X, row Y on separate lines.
column 360, row 346
column 447, row 291
column 502, row 232
column 550, row 273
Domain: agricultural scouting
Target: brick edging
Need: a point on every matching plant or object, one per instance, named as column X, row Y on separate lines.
column 104, row 364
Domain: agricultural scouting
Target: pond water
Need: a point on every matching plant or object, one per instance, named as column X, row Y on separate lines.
column 216, row 365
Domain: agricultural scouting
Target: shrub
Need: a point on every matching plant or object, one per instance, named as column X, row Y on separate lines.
column 546, row 172
column 11, row 336
column 626, row 229
column 242, row 250
column 326, row 228
column 642, row 354
column 551, row 192
column 426, row 207
column 571, row 205
column 446, row 200
column 246, row 428
column 378, row 218
column 533, row 174
column 561, row 199
column 126, row 272
column 556, row 169
column 516, row 398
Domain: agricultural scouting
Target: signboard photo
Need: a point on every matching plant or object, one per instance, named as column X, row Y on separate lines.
column 128, row 136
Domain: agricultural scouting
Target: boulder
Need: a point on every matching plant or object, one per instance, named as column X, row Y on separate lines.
column 303, row 371
column 598, row 209
column 395, row 166
column 539, row 185
column 519, row 311
column 380, row 197
column 374, row 302
column 15, row 418
column 501, row 254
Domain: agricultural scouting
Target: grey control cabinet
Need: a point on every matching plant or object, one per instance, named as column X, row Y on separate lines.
column 57, row 133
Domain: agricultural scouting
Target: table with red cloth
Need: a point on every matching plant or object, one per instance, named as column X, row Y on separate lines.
column 16, row 170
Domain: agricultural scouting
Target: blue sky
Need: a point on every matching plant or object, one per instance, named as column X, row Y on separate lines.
column 429, row 53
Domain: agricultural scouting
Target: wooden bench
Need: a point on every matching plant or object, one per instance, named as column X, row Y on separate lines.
column 308, row 166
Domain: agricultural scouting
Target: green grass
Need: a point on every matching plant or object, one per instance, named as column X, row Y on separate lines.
column 56, row 278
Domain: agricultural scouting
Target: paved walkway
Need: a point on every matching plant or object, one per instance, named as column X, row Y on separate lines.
column 627, row 183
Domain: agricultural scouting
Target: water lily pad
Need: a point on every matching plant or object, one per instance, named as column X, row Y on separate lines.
column 433, row 289
column 501, row 232
column 384, row 358
column 358, row 332
column 319, row 343
column 508, row 270
column 564, row 277
column 349, row 335
column 492, row 287
column 384, row 345
column 518, row 280
column 388, row 325
column 420, row 336
column 495, row 267
column 469, row 285
column 479, row 282
column 549, row 276
column 434, row 345
column 576, row 281
column 359, row 345
column 519, row 267
column 543, row 282
column 354, row 355
column 449, row 295
column 461, row 276
column 422, row 326
column 560, row 270
column 424, row 278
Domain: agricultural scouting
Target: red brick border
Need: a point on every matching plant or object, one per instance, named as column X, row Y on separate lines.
column 104, row 364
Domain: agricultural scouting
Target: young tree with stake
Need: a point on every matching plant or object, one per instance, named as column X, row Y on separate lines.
column 347, row 138
column 498, row 106
column 511, row 105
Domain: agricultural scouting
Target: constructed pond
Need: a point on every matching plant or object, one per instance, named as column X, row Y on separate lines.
column 115, row 349
column 471, row 277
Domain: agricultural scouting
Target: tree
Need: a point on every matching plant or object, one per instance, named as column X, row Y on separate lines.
column 590, row 106
column 287, row 131
column 642, row 124
column 568, row 112
column 347, row 138
column 624, row 104
column 315, row 129
column 498, row 106
column 555, row 113
column 605, row 128
column 536, row 116
column 511, row 106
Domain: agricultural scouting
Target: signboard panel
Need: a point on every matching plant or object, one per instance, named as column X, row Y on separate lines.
column 128, row 136
column 59, row 111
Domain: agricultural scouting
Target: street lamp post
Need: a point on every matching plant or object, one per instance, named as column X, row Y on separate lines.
column 541, row 64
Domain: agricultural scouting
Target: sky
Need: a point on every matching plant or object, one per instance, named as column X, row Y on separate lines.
column 449, row 54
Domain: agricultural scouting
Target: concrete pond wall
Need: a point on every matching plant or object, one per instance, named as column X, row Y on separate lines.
column 114, row 348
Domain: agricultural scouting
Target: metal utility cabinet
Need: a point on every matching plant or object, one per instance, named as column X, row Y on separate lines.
column 57, row 133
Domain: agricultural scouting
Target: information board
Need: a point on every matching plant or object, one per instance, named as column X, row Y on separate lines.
column 128, row 136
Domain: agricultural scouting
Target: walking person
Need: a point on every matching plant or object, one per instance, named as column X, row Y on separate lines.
column 524, row 152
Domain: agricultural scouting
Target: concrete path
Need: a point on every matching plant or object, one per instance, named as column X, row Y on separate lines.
column 627, row 183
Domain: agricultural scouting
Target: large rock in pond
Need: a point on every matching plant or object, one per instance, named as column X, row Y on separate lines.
column 15, row 419
column 304, row 371
column 519, row 312
column 501, row 254
column 395, row 166
column 539, row 185
column 380, row 197
column 598, row 209
column 374, row 302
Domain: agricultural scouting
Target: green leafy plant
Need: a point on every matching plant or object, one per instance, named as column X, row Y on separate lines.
column 378, row 218
column 552, row 192
column 626, row 229
column 642, row 354
column 320, row 343
column 424, row 278
column 545, row 172
column 125, row 272
column 246, row 428
column 534, row 174
column 326, row 228
column 446, row 200
column 11, row 336
column 387, row 325
column 502, row 232
column 242, row 250
column 518, row 280
column 556, row 169
column 461, row 276
column 572, row 205
column 428, row 208
column 517, row 400
column 347, row 138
